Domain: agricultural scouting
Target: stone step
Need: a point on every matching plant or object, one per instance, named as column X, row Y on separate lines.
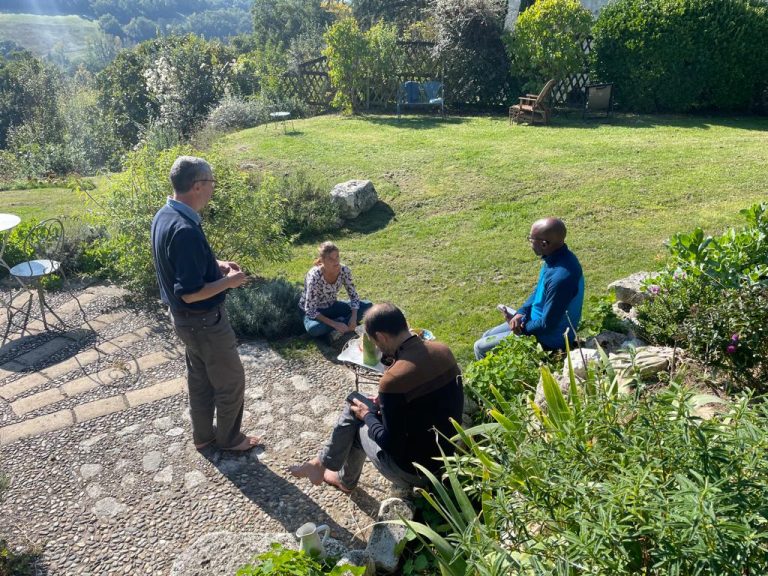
column 76, row 362
column 80, row 386
column 84, row 412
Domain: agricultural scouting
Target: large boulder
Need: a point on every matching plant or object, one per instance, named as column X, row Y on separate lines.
column 354, row 197
column 628, row 290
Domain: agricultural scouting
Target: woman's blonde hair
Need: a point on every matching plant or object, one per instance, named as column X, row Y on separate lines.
column 324, row 250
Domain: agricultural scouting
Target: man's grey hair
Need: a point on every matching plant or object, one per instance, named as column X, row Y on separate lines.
column 187, row 169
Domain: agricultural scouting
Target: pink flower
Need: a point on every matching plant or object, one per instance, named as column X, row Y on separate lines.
column 654, row 289
column 731, row 349
column 734, row 338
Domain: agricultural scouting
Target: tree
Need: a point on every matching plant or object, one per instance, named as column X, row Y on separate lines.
column 547, row 40
column 399, row 12
column 470, row 48
column 280, row 21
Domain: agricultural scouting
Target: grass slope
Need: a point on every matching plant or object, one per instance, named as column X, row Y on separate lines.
column 40, row 203
column 45, row 34
column 459, row 195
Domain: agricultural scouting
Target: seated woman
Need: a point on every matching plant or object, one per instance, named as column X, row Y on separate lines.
column 323, row 313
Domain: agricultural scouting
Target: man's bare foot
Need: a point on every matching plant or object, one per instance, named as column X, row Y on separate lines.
column 204, row 445
column 247, row 443
column 332, row 479
column 312, row 470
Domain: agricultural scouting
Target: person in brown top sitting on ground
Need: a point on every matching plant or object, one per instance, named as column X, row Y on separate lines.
column 418, row 396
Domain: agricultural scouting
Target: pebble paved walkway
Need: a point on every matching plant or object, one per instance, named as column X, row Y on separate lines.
column 95, row 440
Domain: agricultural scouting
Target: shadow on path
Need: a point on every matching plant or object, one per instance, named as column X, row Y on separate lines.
column 275, row 495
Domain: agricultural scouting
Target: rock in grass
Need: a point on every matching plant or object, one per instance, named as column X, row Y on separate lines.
column 354, row 197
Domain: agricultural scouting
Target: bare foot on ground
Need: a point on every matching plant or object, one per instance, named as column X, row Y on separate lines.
column 204, row 445
column 247, row 443
column 312, row 470
column 332, row 479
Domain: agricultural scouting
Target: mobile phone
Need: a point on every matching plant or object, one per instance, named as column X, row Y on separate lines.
column 372, row 407
column 506, row 310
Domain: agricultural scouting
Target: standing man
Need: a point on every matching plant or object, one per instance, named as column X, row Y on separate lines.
column 193, row 284
column 418, row 396
column 555, row 305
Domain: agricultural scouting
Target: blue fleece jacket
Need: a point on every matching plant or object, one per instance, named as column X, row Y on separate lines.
column 555, row 305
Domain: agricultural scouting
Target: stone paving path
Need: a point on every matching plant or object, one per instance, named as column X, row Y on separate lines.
column 96, row 443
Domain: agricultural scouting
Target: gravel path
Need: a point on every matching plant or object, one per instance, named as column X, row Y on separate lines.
column 96, row 442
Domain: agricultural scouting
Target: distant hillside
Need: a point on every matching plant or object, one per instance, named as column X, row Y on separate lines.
column 68, row 35
column 123, row 10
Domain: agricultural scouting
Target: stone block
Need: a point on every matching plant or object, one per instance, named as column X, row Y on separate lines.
column 22, row 385
column 385, row 540
column 36, row 426
column 357, row 558
column 354, row 197
column 98, row 408
column 628, row 290
column 157, row 392
column 37, row 401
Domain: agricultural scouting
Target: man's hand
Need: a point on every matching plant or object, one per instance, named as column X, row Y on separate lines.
column 226, row 266
column 235, row 277
column 516, row 323
column 359, row 409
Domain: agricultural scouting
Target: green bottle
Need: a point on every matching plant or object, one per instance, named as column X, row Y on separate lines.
column 369, row 351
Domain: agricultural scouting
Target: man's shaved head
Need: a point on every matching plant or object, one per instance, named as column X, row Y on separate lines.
column 553, row 229
column 547, row 235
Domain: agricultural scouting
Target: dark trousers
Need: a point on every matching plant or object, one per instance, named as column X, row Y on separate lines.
column 215, row 376
column 349, row 446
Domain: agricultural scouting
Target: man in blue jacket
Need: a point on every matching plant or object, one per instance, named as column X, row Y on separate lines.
column 193, row 284
column 554, row 308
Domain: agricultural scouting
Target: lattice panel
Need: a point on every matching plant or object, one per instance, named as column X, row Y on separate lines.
column 572, row 90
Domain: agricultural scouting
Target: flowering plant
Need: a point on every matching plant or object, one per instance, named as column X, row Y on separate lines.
column 713, row 298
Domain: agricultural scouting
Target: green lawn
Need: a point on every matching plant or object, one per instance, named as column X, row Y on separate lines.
column 39, row 203
column 460, row 195
column 45, row 34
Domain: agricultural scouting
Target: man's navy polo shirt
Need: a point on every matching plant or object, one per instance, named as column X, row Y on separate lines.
column 184, row 261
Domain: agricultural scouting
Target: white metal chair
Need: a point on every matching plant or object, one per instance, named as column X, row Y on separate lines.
column 44, row 242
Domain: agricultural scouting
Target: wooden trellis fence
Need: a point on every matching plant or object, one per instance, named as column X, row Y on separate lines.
column 312, row 84
column 573, row 89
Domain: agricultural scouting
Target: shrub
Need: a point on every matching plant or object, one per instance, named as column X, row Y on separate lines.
column 280, row 561
column 234, row 113
column 241, row 223
column 470, row 48
column 267, row 310
column 346, row 48
column 547, row 40
column 512, row 368
column 307, row 208
column 712, row 299
column 605, row 484
column 683, row 55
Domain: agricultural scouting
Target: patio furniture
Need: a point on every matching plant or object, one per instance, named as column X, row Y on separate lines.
column 533, row 107
column 281, row 117
column 598, row 99
column 44, row 241
column 414, row 94
column 352, row 357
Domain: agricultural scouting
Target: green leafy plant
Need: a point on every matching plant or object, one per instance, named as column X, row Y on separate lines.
column 512, row 368
column 683, row 55
column 281, row 561
column 603, row 483
column 598, row 316
column 266, row 310
column 547, row 40
column 712, row 299
column 241, row 223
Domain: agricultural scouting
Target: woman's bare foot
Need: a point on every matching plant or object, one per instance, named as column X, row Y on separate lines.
column 332, row 479
column 247, row 443
column 313, row 470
